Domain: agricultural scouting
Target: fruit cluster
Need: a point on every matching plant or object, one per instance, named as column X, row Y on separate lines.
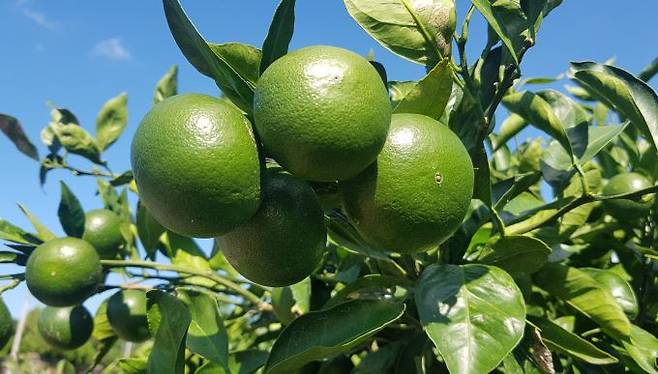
column 320, row 115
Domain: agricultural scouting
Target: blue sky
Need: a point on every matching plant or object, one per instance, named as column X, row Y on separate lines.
column 79, row 54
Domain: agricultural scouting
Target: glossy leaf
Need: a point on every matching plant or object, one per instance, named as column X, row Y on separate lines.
column 418, row 31
column 14, row 131
column 430, row 95
column 121, row 179
column 649, row 71
column 583, row 293
column 70, row 213
column 617, row 287
column 628, row 95
column 280, row 33
column 536, row 111
column 78, row 141
column 517, row 254
column 111, row 120
column 244, row 59
column 240, row 362
column 167, row 85
column 478, row 307
column 506, row 20
column 371, row 286
column 44, row 233
column 230, row 79
column 206, row 335
column 13, row 233
column 168, row 320
column 397, row 90
column 642, row 346
column 149, row 230
column 323, row 334
column 511, row 126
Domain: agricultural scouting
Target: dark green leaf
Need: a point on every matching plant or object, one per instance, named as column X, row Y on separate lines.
column 322, row 334
column 168, row 322
column 243, row 58
column 478, row 307
column 507, row 20
column 618, row 89
column 167, row 85
column 512, row 125
column 121, row 179
column 617, row 287
column 649, row 71
column 482, row 188
column 78, row 141
column 280, row 33
column 380, row 361
column 231, row 81
column 517, row 254
column 430, row 95
column 558, row 339
column 14, row 131
column 371, row 286
column 109, row 195
column 584, row 294
column 103, row 333
column 420, row 32
column 13, row 233
column 206, row 335
column 44, row 233
column 8, row 257
column 149, row 230
column 111, row 120
column 70, row 213
column 133, row 365
column 240, row 362
column 506, row 190
column 643, row 349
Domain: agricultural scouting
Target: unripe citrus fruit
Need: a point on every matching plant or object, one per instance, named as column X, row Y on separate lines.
column 126, row 311
column 65, row 328
column 103, row 231
column 625, row 209
column 63, row 271
column 417, row 193
column 283, row 243
column 196, row 165
column 6, row 324
column 322, row 113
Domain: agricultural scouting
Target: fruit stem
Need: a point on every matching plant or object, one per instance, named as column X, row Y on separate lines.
column 263, row 306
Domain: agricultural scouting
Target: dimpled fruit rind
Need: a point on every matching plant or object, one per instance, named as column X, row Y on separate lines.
column 283, row 243
column 196, row 165
column 65, row 328
column 625, row 209
column 63, row 271
column 126, row 311
column 416, row 195
column 322, row 113
column 103, row 231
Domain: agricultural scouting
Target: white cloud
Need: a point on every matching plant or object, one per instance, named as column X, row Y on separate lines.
column 39, row 18
column 112, row 49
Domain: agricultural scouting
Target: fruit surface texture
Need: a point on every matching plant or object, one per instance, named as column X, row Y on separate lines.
column 65, row 328
column 103, row 231
column 322, row 112
column 283, row 243
column 417, row 193
column 624, row 209
column 126, row 311
column 196, row 165
column 63, row 272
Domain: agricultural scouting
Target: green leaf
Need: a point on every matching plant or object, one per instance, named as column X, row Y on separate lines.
column 371, row 286
column 598, row 138
column 231, row 81
column 512, row 187
column 244, row 59
column 240, row 362
column 649, row 71
column 538, row 112
column 511, row 126
column 70, row 213
column 78, row 141
column 185, row 251
column 301, row 293
column 14, row 131
column 149, row 230
column 558, row 339
column 482, row 174
column 419, row 32
column 103, row 333
column 617, row 287
column 13, row 233
column 628, row 95
column 474, row 305
column 643, row 349
column 168, row 320
column 506, row 19
column 121, row 179
column 132, row 365
column 323, row 334
column 430, row 95
column 583, row 293
column 517, row 254
column 206, row 335
column 44, row 233
column 397, row 90
column 108, row 194
column 280, row 33
column 474, row 315
column 167, row 85
column 111, row 120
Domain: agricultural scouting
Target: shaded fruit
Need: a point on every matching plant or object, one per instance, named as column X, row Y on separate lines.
column 417, row 193
column 103, row 231
column 322, row 113
column 283, row 243
column 63, row 271
column 625, row 209
column 126, row 311
column 328, row 194
column 65, row 328
column 196, row 165
column 6, row 324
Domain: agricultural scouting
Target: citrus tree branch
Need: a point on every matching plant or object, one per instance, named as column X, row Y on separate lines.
column 207, row 274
